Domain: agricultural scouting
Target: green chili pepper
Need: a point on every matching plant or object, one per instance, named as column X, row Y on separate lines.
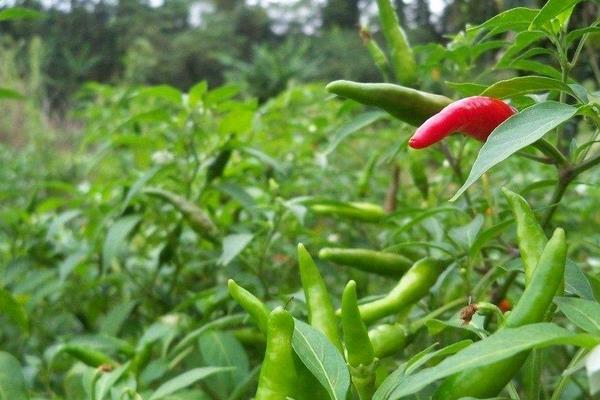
column 250, row 337
column 217, row 166
column 489, row 380
column 260, row 314
column 388, row 339
column 375, row 51
column 253, row 306
column 88, row 355
column 412, row 287
column 378, row 262
column 141, row 359
column 360, row 211
column 408, row 105
column 321, row 314
column 403, row 60
column 359, row 351
column 198, row 220
column 278, row 378
column 530, row 235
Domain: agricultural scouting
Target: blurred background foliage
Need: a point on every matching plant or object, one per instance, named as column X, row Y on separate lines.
column 180, row 42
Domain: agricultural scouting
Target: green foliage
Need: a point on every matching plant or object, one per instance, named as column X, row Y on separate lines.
column 116, row 243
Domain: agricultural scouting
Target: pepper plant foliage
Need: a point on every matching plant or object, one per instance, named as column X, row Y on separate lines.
column 160, row 259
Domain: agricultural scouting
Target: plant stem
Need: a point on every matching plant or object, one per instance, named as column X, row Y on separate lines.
column 563, row 182
column 415, row 326
column 566, row 176
column 551, row 151
column 584, row 166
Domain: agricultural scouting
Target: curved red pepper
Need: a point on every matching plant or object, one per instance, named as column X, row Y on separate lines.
column 475, row 116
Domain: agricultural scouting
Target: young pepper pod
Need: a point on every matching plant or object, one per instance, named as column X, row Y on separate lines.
column 408, row 105
column 321, row 313
column 359, row 351
column 253, row 306
column 360, row 211
column 530, row 235
column 488, row 381
column 377, row 262
column 401, row 54
column 475, row 116
column 278, row 378
column 388, row 339
column 412, row 287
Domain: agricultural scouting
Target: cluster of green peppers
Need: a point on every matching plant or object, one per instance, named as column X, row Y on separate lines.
column 283, row 375
column 361, row 347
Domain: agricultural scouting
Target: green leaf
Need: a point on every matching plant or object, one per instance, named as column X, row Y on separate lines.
column 184, row 380
column 517, row 132
column 577, row 33
column 10, row 94
column 576, row 282
column 264, row 158
column 359, row 122
column 19, row 13
column 108, row 380
column 222, row 349
column 112, row 322
column 520, row 42
column 551, row 9
column 499, row 346
column 465, row 235
column 485, row 236
column 233, row 245
column 516, row 19
column 417, row 361
column 453, row 348
column 166, row 92
column 138, row 185
column 115, row 242
column 523, row 85
column 322, row 359
column 12, row 381
column 467, row 89
column 583, row 313
column 535, row 67
column 14, row 310
column 227, row 321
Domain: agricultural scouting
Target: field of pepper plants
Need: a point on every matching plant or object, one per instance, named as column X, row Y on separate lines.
column 431, row 235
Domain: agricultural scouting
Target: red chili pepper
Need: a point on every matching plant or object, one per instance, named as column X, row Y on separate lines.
column 505, row 305
column 475, row 116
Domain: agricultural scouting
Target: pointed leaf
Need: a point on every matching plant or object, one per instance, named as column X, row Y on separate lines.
column 499, row 346
column 517, row 132
column 321, row 358
column 184, row 380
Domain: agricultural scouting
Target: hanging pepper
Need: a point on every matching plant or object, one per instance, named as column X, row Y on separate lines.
column 278, row 378
column 249, row 302
column 530, row 235
column 321, row 313
column 412, row 287
column 401, row 54
column 360, row 211
column 388, row 339
column 475, row 116
column 408, row 105
column 378, row 262
column 359, row 351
